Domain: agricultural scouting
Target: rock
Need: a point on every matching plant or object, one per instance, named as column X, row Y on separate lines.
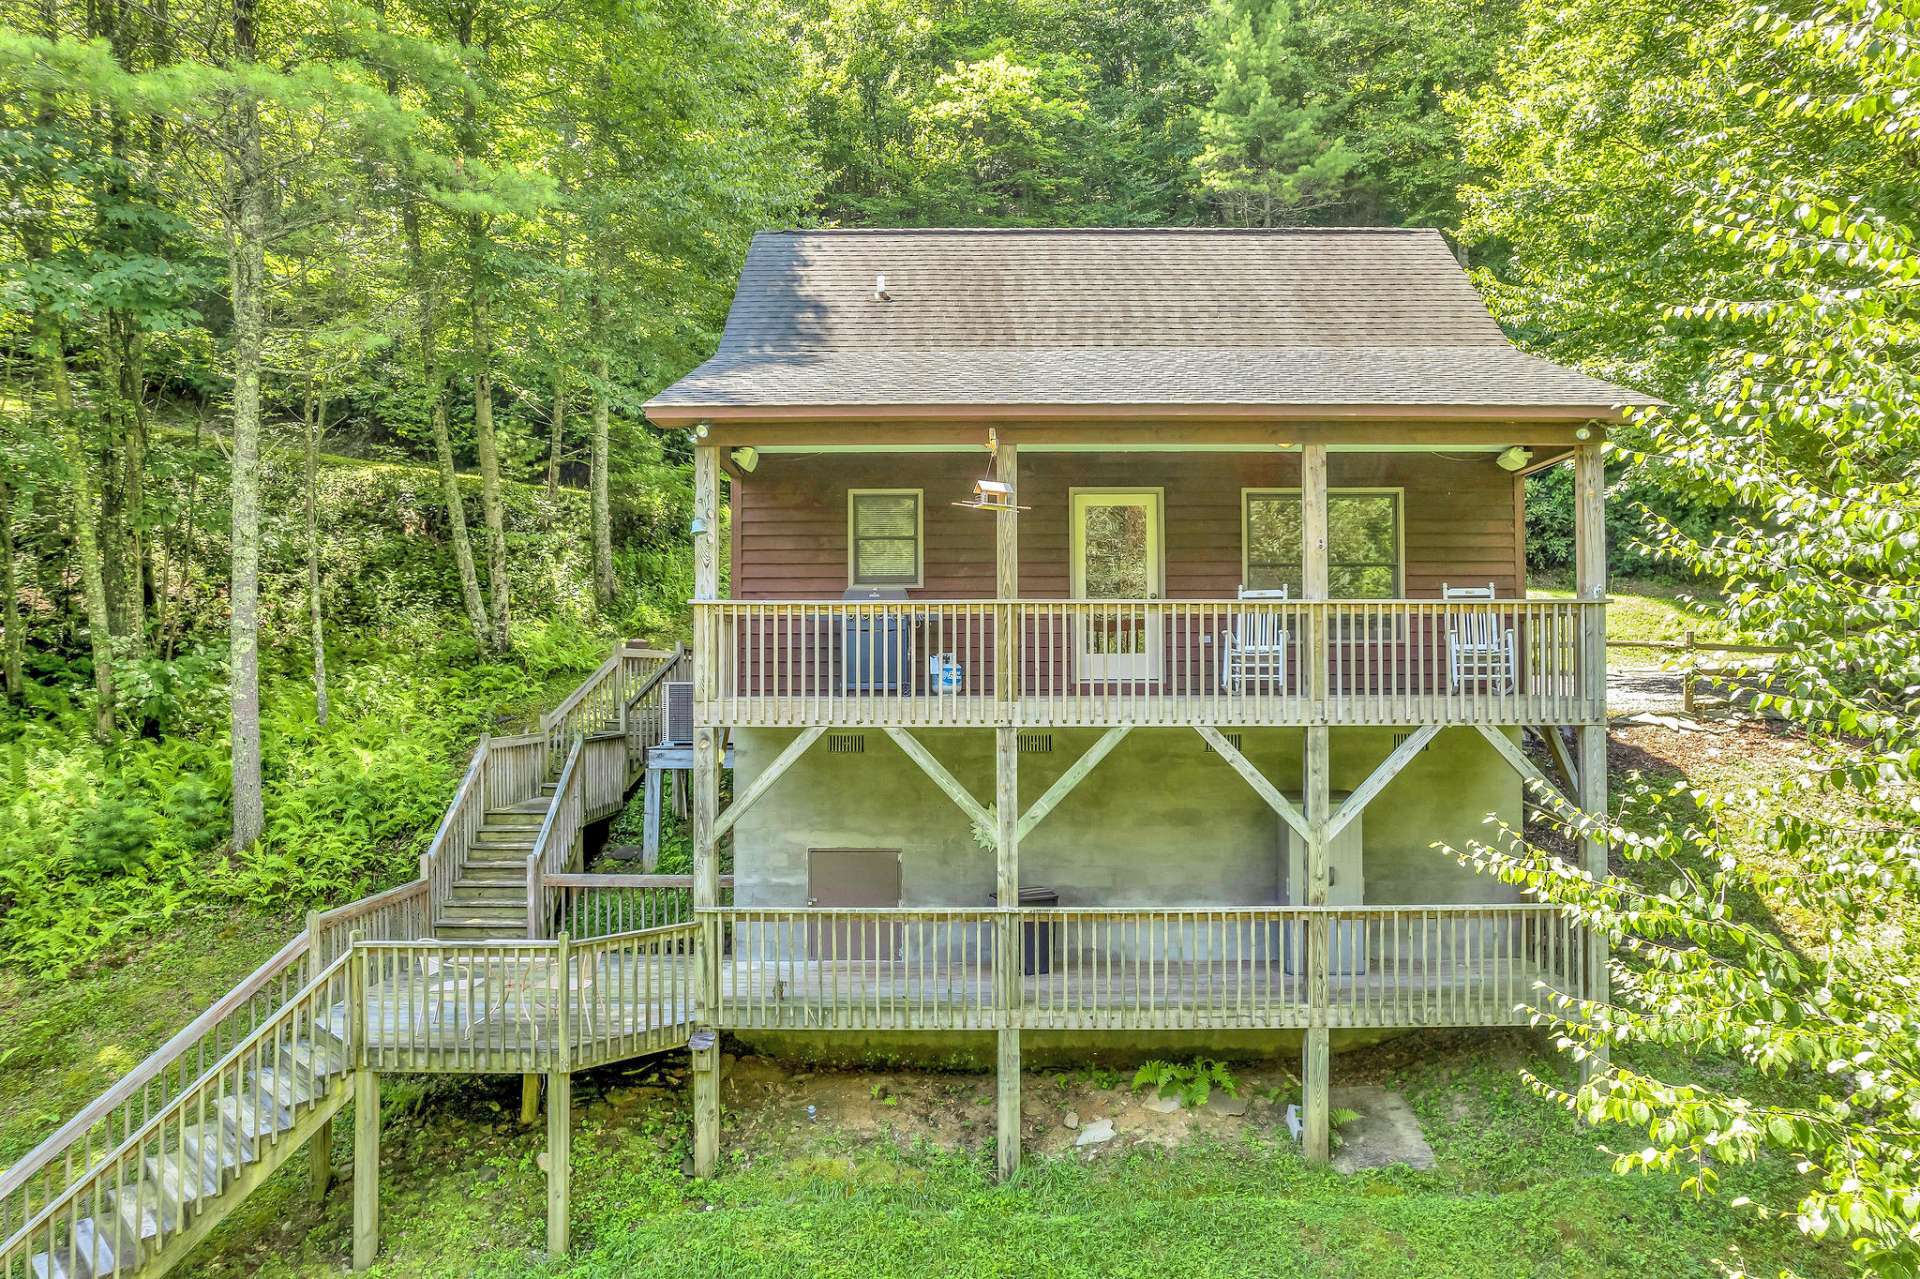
column 1100, row 1130
column 1164, row 1105
column 1386, row 1133
column 1070, row 1120
column 1220, row 1103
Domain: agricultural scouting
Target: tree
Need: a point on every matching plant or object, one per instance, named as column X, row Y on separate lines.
column 1267, row 155
column 1756, row 170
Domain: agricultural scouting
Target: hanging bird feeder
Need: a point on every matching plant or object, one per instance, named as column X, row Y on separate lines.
column 991, row 494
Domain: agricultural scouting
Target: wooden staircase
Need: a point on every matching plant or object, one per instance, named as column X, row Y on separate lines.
column 488, row 900
column 159, row 1208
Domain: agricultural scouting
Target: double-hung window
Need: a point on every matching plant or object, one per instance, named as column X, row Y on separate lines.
column 885, row 535
column 1364, row 544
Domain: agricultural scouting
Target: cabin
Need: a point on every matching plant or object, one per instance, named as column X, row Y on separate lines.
column 1103, row 627
column 1102, row 630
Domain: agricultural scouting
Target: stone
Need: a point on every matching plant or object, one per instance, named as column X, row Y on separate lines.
column 1164, row 1105
column 1386, row 1133
column 1070, row 1120
column 1100, row 1130
column 1219, row 1103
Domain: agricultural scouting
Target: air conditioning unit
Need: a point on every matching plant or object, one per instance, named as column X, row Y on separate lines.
column 678, row 730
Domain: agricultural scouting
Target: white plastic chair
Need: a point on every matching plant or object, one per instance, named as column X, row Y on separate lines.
column 1256, row 646
column 1480, row 645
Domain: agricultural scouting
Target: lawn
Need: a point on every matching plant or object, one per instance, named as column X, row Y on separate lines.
column 1517, row 1189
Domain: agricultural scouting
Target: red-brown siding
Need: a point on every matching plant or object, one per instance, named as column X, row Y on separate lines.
column 790, row 517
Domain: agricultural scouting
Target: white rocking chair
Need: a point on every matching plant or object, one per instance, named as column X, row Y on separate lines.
column 1481, row 651
column 1256, row 647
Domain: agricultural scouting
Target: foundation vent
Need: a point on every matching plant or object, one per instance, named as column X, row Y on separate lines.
column 1233, row 740
column 1400, row 739
column 1036, row 743
column 846, row 743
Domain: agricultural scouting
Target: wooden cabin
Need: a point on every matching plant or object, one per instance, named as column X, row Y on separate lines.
column 1111, row 624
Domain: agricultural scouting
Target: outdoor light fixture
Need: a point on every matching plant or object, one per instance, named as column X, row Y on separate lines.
column 700, row 430
column 746, row 458
column 1512, row 459
column 1583, row 433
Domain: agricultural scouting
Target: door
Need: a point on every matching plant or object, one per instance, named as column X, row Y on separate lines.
column 1116, row 556
column 853, row 879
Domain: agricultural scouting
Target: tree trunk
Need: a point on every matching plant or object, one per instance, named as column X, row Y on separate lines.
column 246, row 254
column 433, row 377
column 86, row 534
column 14, row 641
column 491, row 503
column 316, row 417
column 556, row 434
column 604, row 583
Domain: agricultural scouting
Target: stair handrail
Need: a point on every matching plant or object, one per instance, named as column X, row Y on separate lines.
column 440, row 864
column 553, row 846
column 651, row 691
column 208, row 1026
column 49, row 1213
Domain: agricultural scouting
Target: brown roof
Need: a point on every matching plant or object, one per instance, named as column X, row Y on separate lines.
column 1343, row 320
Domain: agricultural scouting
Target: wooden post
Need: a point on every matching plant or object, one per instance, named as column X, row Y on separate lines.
column 1006, row 556
column 560, row 1111
column 705, row 1051
column 1007, row 897
column 650, row 835
column 1686, row 679
column 320, row 1147
column 1316, row 1064
column 366, row 1168
column 1590, row 584
column 706, row 812
column 529, row 1099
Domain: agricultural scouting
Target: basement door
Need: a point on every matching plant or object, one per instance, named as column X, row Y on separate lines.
column 1117, row 556
column 853, row 879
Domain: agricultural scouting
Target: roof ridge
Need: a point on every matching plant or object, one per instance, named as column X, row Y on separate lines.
column 1102, row 230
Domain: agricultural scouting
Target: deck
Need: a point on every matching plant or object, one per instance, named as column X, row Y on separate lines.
column 509, row 1006
column 1073, row 663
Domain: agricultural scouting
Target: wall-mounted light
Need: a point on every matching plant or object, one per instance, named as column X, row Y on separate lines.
column 746, row 459
column 1512, row 459
column 700, row 430
column 1583, row 433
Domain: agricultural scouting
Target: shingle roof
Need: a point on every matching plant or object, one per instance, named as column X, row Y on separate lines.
column 1177, row 318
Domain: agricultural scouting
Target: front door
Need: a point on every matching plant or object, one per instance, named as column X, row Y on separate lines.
column 853, row 879
column 1116, row 556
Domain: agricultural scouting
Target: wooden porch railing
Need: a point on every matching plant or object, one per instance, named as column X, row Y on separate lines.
column 1147, row 662
column 1169, row 969
column 601, row 905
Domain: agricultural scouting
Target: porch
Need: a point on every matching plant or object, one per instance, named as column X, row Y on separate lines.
column 1073, row 663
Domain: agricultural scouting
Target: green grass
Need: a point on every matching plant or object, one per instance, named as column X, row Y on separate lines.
column 1639, row 611
column 1519, row 1190
column 62, row 1043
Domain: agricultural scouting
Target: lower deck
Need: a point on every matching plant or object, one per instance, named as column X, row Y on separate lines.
column 510, row 1006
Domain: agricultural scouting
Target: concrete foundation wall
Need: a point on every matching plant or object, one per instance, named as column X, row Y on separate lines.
column 1160, row 822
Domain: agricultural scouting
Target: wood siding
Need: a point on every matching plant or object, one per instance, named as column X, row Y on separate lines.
column 1463, row 521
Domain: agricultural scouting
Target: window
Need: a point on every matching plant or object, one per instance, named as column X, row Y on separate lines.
column 1363, row 542
column 884, row 529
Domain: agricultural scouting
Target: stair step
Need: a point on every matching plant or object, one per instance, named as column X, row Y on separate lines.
column 500, row 872
column 450, row 930
column 464, row 893
column 288, row 1085
column 498, row 843
column 480, row 913
column 87, row 1252
column 254, row 1115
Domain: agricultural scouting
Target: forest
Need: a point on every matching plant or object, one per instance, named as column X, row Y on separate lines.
column 327, row 324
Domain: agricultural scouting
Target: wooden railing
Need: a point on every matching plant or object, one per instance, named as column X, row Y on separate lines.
column 600, row 905
column 402, row 913
column 645, row 717
column 1147, row 662
column 200, row 1140
column 1174, row 969
column 556, row 847
column 632, row 993
column 78, row 1145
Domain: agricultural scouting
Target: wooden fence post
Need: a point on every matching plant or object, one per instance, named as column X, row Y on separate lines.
column 320, row 1146
column 560, row 1111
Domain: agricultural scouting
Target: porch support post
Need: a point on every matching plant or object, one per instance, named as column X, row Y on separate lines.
column 529, row 1099
column 320, row 1146
column 1590, row 584
column 650, row 835
column 366, row 1168
column 1006, row 576
column 1008, row 927
column 1317, row 1064
column 706, row 809
column 559, row 1161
